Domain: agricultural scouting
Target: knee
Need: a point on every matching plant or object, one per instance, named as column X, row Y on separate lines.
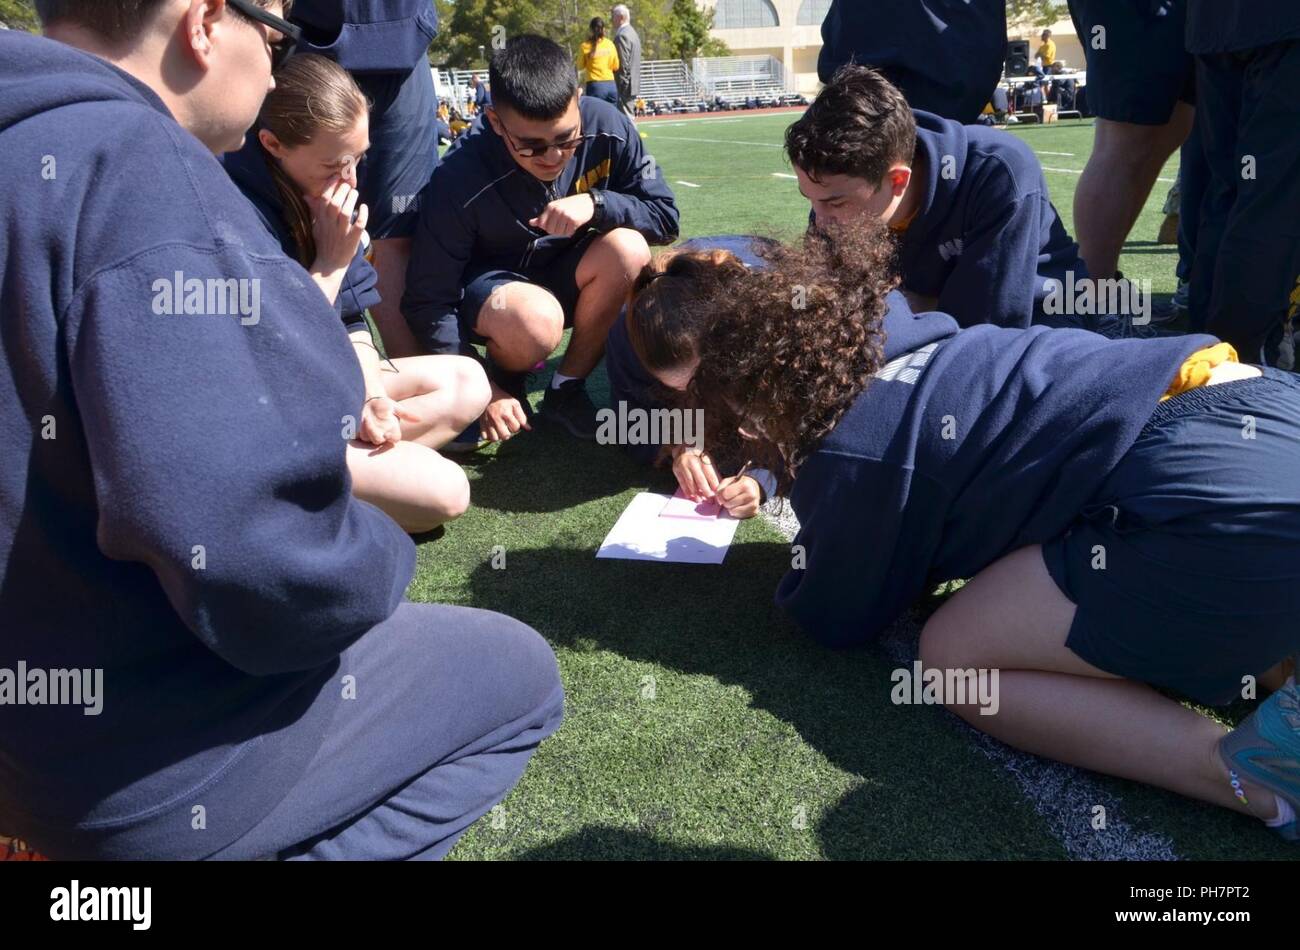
column 445, row 498
column 538, row 321
column 941, row 644
column 473, row 390
column 525, row 669
column 629, row 251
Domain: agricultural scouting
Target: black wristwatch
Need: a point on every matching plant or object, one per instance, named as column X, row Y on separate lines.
column 598, row 212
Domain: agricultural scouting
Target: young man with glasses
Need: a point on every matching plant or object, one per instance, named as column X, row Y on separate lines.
column 176, row 518
column 538, row 219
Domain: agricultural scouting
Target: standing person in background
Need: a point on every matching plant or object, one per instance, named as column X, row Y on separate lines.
column 1141, row 87
column 628, row 45
column 945, row 55
column 1247, row 253
column 1047, row 50
column 384, row 43
column 481, row 97
column 599, row 61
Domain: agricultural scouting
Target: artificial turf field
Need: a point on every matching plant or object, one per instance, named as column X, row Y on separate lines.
column 700, row 723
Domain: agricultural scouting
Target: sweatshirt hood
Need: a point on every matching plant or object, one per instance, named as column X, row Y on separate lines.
column 38, row 75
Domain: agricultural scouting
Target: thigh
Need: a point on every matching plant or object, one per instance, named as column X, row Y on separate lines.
column 418, row 375
column 620, row 251
column 1010, row 616
column 429, row 684
column 502, row 300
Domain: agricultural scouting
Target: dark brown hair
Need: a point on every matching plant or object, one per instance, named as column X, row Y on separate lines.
column 859, row 125
column 789, row 347
column 596, row 30
column 312, row 95
column 668, row 311
column 114, row 20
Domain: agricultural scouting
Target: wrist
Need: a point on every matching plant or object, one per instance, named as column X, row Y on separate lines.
column 597, row 207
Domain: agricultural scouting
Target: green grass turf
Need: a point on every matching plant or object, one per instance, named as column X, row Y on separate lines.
column 700, row 724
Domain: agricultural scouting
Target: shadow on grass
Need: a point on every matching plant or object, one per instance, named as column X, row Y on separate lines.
column 715, row 621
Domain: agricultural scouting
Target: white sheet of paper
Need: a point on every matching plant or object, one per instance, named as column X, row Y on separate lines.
column 641, row 535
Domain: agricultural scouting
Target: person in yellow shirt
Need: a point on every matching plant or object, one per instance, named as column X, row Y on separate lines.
column 598, row 59
column 1047, row 51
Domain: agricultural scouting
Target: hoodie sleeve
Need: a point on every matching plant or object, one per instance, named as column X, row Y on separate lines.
column 360, row 292
column 217, row 448
column 444, row 241
column 638, row 196
column 860, row 557
column 996, row 275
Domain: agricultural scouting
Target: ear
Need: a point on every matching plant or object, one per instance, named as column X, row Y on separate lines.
column 897, row 179
column 197, row 25
column 491, row 114
column 270, row 142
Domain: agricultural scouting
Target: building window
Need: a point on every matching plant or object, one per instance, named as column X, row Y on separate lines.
column 812, row 12
column 742, row 14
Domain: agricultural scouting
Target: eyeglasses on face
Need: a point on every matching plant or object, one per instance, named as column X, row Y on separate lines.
column 281, row 51
column 537, row 151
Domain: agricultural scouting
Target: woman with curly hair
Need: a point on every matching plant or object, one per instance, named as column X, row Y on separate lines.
column 1127, row 509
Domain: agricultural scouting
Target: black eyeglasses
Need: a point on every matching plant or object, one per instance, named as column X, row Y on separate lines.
column 566, row 147
column 281, row 51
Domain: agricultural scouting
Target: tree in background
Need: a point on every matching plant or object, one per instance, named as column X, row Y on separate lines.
column 669, row 29
column 688, row 32
column 1035, row 12
column 19, row 15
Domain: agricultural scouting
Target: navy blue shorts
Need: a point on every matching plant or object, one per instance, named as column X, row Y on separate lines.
column 1143, row 68
column 403, row 148
column 1186, row 570
column 559, row 275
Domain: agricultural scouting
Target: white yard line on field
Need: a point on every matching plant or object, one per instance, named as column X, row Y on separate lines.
column 688, row 184
column 1079, row 171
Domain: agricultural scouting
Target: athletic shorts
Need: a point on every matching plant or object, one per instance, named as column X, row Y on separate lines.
column 1186, row 570
column 1138, row 64
column 403, row 148
column 559, row 275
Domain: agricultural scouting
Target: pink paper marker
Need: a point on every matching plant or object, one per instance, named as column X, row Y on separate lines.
column 679, row 506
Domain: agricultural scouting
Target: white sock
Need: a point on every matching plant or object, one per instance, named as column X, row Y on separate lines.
column 1285, row 813
column 559, row 379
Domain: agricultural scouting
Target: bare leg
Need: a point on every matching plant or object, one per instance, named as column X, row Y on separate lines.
column 1126, row 160
column 605, row 275
column 1013, row 618
column 412, row 484
column 390, row 260
column 444, row 393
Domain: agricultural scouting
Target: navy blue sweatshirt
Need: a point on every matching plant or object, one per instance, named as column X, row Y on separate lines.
column 986, row 238
column 945, row 55
column 1228, row 26
column 249, row 169
column 476, row 209
column 967, row 446
column 365, row 36
column 175, row 505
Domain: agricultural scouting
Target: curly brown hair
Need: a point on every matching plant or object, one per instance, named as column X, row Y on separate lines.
column 789, row 347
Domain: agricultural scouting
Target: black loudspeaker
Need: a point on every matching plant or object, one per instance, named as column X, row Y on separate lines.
column 1018, row 58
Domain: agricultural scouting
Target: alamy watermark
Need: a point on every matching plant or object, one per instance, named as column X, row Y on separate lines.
column 945, row 687
column 34, row 686
column 1109, row 296
column 179, row 295
column 636, row 426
